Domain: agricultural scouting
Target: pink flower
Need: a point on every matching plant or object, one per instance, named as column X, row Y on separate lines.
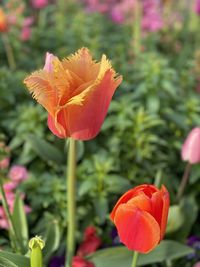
column 197, row 264
column 4, row 163
column 191, row 147
column 197, row 7
column 18, row 173
column 9, row 186
column 79, row 261
column 90, row 242
column 39, row 4
column 26, row 29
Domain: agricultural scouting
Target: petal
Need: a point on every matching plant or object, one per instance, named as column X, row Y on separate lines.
column 190, row 149
column 165, row 210
column 82, row 65
column 132, row 193
column 40, row 85
column 48, row 67
column 84, row 118
column 137, row 229
column 54, row 130
column 140, row 201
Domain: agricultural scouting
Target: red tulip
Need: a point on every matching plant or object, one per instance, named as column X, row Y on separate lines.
column 76, row 92
column 191, row 147
column 140, row 216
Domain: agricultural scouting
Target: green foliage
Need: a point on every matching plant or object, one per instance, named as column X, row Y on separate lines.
column 151, row 114
column 121, row 256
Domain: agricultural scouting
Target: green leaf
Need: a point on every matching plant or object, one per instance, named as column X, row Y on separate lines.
column 52, row 239
column 121, row 256
column 46, row 150
column 6, row 263
column 20, row 223
column 175, row 218
column 18, row 260
column 101, row 208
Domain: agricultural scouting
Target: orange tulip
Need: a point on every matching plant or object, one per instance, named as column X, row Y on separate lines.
column 140, row 216
column 3, row 21
column 76, row 92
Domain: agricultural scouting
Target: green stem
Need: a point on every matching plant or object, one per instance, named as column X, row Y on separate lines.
column 13, row 235
column 184, row 181
column 158, row 179
column 9, row 51
column 137, row 28
column 135, row 258
column 71, row 202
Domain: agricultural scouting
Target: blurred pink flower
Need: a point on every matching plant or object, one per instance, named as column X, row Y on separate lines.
column 197, row 7
column 26, row 29
column 4, row 163
column 191, row 147
column 9, row 186
column 197, row 264
column 18, row 173
column 39, row 4
column 152, row 16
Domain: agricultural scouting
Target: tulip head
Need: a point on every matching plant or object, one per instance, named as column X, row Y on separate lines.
column 76, row 92
column 191, row 147
column 140, row 217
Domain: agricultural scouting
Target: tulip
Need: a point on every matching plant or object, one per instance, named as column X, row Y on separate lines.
column 191, row 147
column 140, row 216
column 3, row 21
column 76, row 92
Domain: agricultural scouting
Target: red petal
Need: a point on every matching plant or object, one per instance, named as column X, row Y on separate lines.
column 166, row 203
column 83, row 121
column 149, row 189
column 53, row 129
column 137, row 229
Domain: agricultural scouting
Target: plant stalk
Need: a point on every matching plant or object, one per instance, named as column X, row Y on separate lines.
column 71, row 202
column 184, row 181
column 9, row 51
column 135, row 258
column 137, row 28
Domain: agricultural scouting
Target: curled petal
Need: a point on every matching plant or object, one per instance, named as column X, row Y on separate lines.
column 84, row 114
column 49, row 62
column 137, row 229
column 132, row 193
column 40, row 85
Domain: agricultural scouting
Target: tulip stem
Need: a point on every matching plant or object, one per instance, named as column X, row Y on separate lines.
column 71, row 201
column 184, row 181
column 135, row 258
column 9, row 51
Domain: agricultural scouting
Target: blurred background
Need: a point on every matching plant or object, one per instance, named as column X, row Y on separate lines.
column 155, row 45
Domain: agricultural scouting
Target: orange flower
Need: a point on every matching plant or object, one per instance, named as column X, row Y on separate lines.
column 76, row 92
column 3, row 21
column 140, row 216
